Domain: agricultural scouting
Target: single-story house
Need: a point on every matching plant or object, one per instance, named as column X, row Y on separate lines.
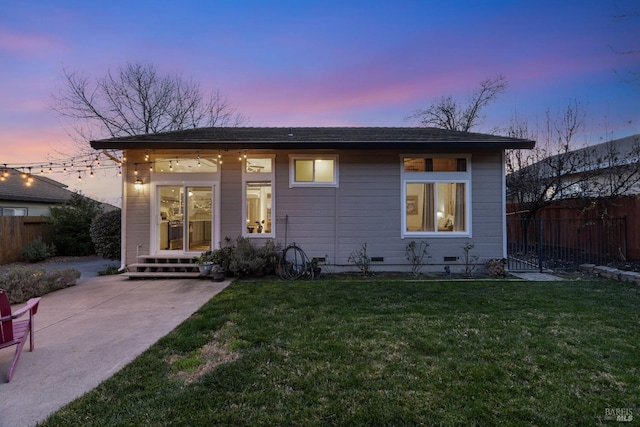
column 330, row 190
column 23, row 194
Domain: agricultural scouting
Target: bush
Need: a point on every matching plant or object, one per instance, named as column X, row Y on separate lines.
column 105, row 234
column 360, row 259
column 37, row 250
column 496, row 267
column 70, row 225
column 24, row 282
column 243, row 258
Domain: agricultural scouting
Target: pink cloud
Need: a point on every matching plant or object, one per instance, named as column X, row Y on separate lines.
column 24, row 44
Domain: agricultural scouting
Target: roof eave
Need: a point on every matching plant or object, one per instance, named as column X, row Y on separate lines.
column 290, row 145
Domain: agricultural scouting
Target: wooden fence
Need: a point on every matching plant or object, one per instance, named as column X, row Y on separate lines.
column 608, row 226
column 17, row 231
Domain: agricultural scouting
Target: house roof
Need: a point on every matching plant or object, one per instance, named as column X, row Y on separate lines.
column 313, row 138
column 43, row 189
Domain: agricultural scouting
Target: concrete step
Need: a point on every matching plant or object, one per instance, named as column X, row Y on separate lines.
column 164, row 275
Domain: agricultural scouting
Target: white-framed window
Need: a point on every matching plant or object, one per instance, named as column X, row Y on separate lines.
column 258, row 202
column 436, row 195
column 14, row 211
column 313, row 170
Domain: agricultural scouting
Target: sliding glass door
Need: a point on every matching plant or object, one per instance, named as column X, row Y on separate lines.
column 185, row 218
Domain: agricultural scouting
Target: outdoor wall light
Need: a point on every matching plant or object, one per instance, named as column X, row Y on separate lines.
column 138, row 183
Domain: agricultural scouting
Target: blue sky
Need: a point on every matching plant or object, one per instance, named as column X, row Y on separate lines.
column 326, row 63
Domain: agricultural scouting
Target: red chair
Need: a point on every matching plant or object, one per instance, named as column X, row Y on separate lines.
column 14, row 332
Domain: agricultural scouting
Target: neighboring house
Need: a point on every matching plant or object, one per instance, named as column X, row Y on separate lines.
column 330, row 190
column 614, row 168
column 609, row 169
column 32, row 195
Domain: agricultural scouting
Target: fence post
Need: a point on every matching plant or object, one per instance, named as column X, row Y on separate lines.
column 540, row 244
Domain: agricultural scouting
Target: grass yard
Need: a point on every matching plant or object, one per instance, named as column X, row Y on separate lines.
column 384, row 352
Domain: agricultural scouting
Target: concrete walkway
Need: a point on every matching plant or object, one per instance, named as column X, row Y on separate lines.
column 86, row 333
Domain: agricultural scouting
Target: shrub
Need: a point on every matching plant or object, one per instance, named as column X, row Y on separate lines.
column 37, row 250
column 243, row 258
column 416, row 254
column 496, row 267
column 70, row 225
column 360, row 259
column 24, row 282
column 105, row 234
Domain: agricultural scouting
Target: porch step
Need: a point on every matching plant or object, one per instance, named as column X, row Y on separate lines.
column 163, row 275
column 163, row 266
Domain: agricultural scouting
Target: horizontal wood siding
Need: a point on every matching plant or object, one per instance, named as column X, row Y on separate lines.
column 231, row 193
column 304, row 215
column 487, row 198
column 138, row 208
column 333, row 222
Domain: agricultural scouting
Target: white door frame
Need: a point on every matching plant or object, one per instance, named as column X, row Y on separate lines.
column 184, row 180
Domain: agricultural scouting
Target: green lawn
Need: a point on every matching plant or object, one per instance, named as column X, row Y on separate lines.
column 381, row 352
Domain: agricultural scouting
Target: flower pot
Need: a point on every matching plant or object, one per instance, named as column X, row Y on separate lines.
column 205, row 269
column 218, row 275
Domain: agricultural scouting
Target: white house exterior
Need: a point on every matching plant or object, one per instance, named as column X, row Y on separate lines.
column 330, row 190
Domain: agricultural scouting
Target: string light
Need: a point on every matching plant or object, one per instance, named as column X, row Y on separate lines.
column 86, row 165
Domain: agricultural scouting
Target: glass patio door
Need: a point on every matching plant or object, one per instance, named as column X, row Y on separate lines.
column 185, row 218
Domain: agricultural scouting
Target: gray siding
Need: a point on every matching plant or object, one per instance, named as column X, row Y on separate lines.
column 364, row 208
column 137, row 205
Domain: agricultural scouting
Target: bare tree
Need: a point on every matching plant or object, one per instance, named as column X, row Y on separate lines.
column 136, row 99
column 556, row 169
column 619, row 168
column 447, row 113
column 632, row 77
column 552, row 170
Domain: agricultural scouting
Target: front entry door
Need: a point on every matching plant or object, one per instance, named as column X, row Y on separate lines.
column 185, row 218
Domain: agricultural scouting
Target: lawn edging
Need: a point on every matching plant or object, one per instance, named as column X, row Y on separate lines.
column 611, row 273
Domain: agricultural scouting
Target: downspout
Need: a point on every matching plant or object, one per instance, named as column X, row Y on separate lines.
column 504, row 205
column 123, row 220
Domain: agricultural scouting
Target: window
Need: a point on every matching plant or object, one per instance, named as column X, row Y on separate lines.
column 14, row 211
column 307, row 171
column 436, row 192
column 192, row 164
column 258, row 209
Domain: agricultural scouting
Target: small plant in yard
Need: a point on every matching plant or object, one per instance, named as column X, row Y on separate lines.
column 360, row 259
column 243, row 257
column 109, row 270
column 470, row 261
column 327, row 265
column 416, row 254
column 37, row 250
column 496, row 267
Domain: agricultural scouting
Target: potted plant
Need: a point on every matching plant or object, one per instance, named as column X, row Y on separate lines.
column 205, row 262
column 315, row 267
column 218, row 273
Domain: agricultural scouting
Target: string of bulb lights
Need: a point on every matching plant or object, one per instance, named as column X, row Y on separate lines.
column 87, row 165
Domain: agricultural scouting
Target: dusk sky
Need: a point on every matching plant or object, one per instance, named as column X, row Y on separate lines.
column 323, row 63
